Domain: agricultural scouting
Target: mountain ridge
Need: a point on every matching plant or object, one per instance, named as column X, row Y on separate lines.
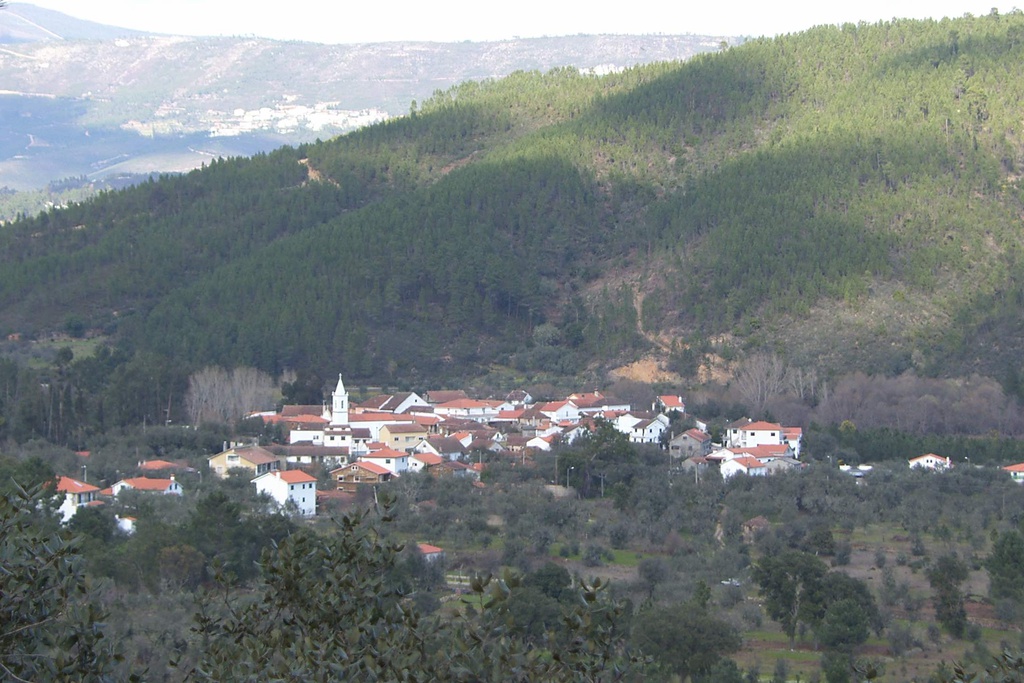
column 202, row 97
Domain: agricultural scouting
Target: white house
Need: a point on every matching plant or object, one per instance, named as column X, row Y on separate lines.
column 126, row 525
column 594, row 402
column 164, row 486
column 444, row 446
column 763, row 454
column 306, row 429
column 731, row 435
column 470, row 409
column 76, row 494
column 561, row 411
column 642, row 429
column 393, row 461
column 1016, row 471
column 541, row 443
column 420, row 461
column 794, row 436
column 431, row 553
column 371, row 422
column 756, row 434
column 648, row 431
column 291, row 485
column 395, row 403
column 743, row 465
column 667, row 404
column 930, row 461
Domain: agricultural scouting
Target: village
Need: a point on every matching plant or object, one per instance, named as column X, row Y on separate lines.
column 475, row 486
column 355, row 446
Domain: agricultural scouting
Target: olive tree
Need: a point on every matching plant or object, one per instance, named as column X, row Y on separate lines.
column 49, row 627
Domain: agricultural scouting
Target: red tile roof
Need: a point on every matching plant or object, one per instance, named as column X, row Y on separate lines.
column 69, row 485
column 295, row 476
column 368, row 466
column 428, row 459
column 385, row 453
column 151, row 465
column 404, row 429
column 146, row 484
column 748, row 462
column 466, row 403
column 428, row 549
column 762, row 427
column 252, row 454
column 390, row 418
column 296, row 410
column 446, row 395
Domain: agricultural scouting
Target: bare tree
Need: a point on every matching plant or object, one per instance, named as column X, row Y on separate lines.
column 760, row 378
column 803, row 383
column 216, row 395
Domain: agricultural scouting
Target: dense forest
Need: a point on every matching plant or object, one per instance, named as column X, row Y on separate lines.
column 847, row 196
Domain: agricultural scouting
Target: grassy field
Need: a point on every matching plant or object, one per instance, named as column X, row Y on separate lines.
column 41, row 354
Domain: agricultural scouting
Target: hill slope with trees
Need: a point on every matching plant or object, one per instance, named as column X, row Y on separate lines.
column 848, row 196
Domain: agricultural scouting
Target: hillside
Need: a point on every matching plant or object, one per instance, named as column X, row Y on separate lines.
column 99, row 101
column 847, row 197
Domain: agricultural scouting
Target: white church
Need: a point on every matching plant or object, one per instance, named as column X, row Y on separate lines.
column 338, row 431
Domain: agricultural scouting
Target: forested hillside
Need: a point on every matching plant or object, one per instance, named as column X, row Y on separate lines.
column 847, row 197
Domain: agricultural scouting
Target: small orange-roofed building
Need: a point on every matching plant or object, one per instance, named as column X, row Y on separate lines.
column 1016, row 471
column 165, row 486
column 76, row 494
column 351, row 477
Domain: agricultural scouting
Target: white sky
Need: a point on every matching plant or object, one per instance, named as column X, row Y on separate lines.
column 345, row 21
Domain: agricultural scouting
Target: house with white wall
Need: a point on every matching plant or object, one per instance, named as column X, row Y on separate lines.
column 290, row 485
column 930, row 461
column 666, row 404
column 471, row 409
column 1016, row 472
column 394, row 403
column 420, row 462
column 561, row 411
column 648, row 431
column 76, row 494
column 745, row 464
column 151, row 485
column 393, row 461
column 757, row 434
